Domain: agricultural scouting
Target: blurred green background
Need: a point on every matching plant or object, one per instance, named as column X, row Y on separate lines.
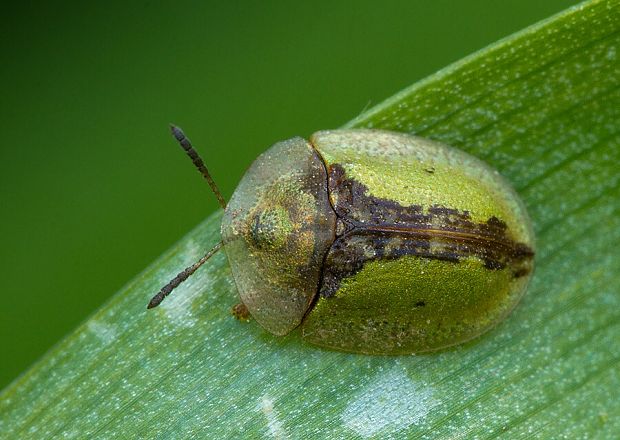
column 92, row 186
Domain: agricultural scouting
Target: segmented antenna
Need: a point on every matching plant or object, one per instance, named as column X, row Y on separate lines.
column 198, row 162
column 181, row 276
column 185, row 273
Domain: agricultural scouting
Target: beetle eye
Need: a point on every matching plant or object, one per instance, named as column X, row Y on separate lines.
column 269, row 228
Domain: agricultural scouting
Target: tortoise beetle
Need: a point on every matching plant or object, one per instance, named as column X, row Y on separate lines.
column 372, row 242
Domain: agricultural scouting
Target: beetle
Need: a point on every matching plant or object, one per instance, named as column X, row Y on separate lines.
column 372, row 242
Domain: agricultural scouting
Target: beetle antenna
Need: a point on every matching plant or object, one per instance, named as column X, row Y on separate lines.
column 181, row 276
column 198, row 162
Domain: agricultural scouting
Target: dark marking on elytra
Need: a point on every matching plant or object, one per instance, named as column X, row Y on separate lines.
column 373, row 228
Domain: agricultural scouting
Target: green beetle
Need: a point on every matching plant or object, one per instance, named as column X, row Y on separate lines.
column 372, row 242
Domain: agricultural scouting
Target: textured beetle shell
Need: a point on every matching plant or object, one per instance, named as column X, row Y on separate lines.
column 433, row 246
column 377, row 242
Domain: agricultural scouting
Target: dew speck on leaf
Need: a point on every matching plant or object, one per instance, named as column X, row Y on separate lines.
column 390, row 403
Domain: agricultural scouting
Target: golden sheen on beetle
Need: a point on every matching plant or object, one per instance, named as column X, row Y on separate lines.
column 372, row 242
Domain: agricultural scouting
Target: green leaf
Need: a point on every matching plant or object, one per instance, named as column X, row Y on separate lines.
column 543, row 107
